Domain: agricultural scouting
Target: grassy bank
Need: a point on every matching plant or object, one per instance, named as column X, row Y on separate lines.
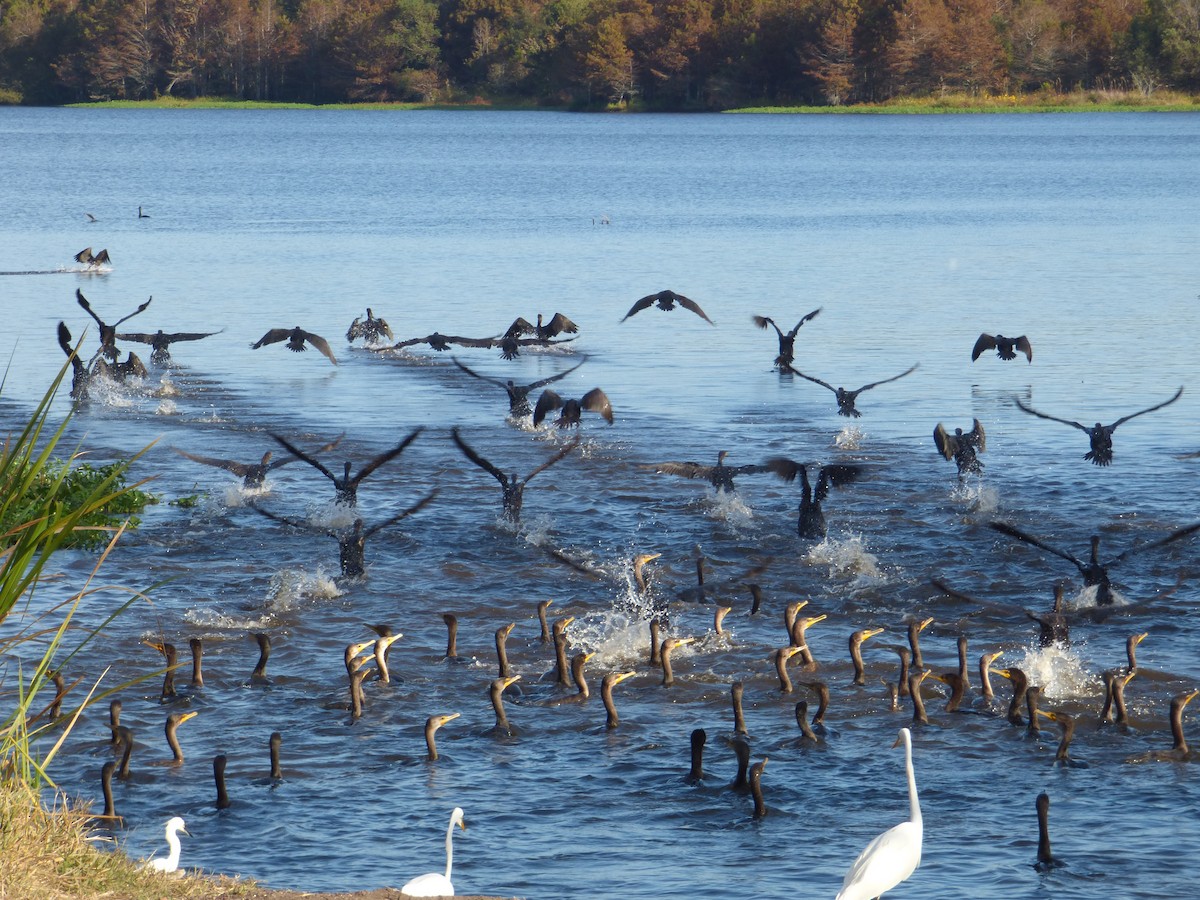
column 1041, row 102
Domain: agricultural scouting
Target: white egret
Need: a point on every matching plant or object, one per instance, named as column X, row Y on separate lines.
column 435, row 884
column 895, row 854
column 170, row 863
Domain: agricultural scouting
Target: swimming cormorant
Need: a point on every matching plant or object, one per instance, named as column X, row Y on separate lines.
column 1045, row 858
column 811, row 521
column 1005, row 347
column 787, row 342
column 518, row 394
column 667, row 300
column 962, row 447
column 513, row 486
column 1099, row 435
column 845, row 398
column 296, row 338
column 611, row 680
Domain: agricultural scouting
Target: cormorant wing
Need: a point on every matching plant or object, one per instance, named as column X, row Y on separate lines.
column 237, row 468
column 296, row 451
column 1178, row 394
column 495, row 381
column 84, row 256
column 977, row 436
column 170, row 338
column 835, row 475
column 644, row 303
column 1025, row 347
column 750, row 469
column 785, row 468
column 823, row 384
column 101, row 258
column 694, row 307
column 686, row 469
column 87, row 307
column 474, row 457
column 519, row 327
column 140, row 309
column 811, row 315
column 320, row 343
column 944, row 441
column 1005, row 528
column 763, row 321
column 1173, row 536
column 554, row 378
column 559, row 324
column 1042, row 415
column 596, row 401
column 552, row 460
column 291, row 459
column 416, row 507
column 274, row 336
column 385, row 457
column 548, row 401
column 295, row 523
column 984, row 342
column 867, row 387
column 466, row 342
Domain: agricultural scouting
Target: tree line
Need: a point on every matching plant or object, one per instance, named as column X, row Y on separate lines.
column 663, row 54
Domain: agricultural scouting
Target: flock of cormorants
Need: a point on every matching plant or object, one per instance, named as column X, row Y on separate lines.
column 889, row 859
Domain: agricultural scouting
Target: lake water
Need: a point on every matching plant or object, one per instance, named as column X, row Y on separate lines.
column 913, row 234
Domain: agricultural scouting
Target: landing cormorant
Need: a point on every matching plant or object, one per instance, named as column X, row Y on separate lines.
column 160, row 342
column 518, row 394
column 962, row 447
column 1005, row 347
column 811, row 521
column 787, row 342
column 296, row 338
column 719, row 476
column 845, row 398
column 108, row 333
column 594, row 400
column 667, row 300
column 346, row 486
column 370, row 329
column 512, row 485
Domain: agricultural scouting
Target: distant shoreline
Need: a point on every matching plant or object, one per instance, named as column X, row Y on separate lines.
column 1083, row 101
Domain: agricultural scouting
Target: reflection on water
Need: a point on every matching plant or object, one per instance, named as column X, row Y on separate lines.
column 915, row 234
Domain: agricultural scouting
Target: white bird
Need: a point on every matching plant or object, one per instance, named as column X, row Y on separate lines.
column 435, row 884
column 895, row 854
column 170, row 863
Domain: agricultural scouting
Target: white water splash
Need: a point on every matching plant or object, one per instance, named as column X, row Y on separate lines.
column 290, row 587
column 1057, row 670
column 846, row 556
column 1086, row 599
column 729, row 508
column 980, row 497
column 849, row 438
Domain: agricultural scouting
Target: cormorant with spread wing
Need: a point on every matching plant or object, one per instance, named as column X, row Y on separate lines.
column 352, row 541
column 512, row 485
column 811, row 522
column 347, row 486
column 667, row 300
column 160, row 342
column 962, row 447
column 371, row 329
column 93, row 262
column 108, row 333
column 518, row 394
column 594, row 400
column 439, row 342
column 1099, row 435
column 787, row 342
column 252, row 474
column 558, row 324
column 719, row 476
column 1095, row 573
column 845, row 398
column 296, row 338
column 1005, row 347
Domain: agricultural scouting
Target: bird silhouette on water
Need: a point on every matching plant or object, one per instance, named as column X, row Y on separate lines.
column 1099, row 435
column 1005, row 347
column 666, row 300
column 845, row 398
column 512, row 485
column 787, row 340
column 346, row 486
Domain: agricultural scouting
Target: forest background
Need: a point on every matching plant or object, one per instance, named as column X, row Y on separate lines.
column 649, row 54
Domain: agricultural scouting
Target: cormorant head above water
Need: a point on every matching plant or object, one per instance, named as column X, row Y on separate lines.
column 1099, row 435
column 1006, row 348
column 667, row 300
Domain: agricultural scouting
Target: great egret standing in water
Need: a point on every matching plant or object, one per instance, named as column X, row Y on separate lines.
column 434, row 884
column 895, row 854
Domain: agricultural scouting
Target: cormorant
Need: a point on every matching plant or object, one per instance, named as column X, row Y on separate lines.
column 719, row 476
column 296, row 338
column 512, row 485
column 439, row 342
column 93, row 262
column 252, row 474
column 108, row 333
column 811, row 521
column 667, row 300
column 845, row 398
column 787, row 342
column 80, row 377
column 346, row 487
column 372, row 329
column 962, row 447
column 1099, row 435
column 1005, row 347
column 160, row 342
column 594, row 400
